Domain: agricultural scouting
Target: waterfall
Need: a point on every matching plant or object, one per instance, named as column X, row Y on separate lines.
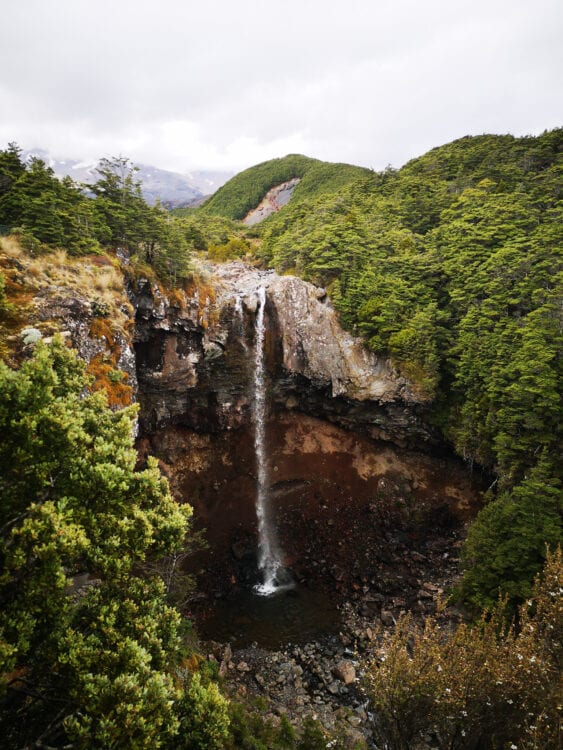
column 239, row 314
column 274, row 576
column 238, row 309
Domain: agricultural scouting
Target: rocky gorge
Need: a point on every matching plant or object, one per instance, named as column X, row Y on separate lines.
column 369, row 504
column 192, row 360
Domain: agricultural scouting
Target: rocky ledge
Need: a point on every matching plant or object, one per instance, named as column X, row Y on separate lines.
column 194, row 360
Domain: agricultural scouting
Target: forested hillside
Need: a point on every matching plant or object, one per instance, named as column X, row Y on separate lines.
column 245, row 191
column 452, row 267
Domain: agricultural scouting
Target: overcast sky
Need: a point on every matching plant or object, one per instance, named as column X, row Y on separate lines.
column 224, row 84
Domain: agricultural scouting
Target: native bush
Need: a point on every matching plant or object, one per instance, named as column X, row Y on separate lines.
column 87, row 644
column 487, row 685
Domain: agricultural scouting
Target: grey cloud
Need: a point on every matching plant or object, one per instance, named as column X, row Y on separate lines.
column 363, row 81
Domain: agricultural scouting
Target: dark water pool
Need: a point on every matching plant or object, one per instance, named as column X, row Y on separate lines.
column 296, row 615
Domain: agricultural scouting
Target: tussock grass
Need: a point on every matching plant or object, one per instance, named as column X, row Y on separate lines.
column 30, row 282
column 96, row 278
column 10, row 246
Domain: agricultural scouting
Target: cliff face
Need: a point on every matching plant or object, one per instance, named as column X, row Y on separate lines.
column 192, row 364
column 194, row 360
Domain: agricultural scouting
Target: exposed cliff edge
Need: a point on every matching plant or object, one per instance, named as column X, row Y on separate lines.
column 193, row 350
column 193, row 360
column 274, row 200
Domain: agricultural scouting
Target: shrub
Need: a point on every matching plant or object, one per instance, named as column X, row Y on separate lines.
column 203, row 714
column 486, row 686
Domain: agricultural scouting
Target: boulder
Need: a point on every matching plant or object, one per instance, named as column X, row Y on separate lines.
column 387, row 618
column 345, row 672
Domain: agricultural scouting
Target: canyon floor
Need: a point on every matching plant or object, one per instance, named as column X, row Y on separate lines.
column 368, row 531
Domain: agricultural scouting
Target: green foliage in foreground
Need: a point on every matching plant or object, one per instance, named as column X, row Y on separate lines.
column 101, row 666
column 451, row 267
column 245, row 191
column 249, row 730
column 479, row 687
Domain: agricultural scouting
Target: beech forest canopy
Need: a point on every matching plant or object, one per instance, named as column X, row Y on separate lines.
column 451, row 266
column 243, row 193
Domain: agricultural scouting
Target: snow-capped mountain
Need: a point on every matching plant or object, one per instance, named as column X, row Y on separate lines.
column 173, row 189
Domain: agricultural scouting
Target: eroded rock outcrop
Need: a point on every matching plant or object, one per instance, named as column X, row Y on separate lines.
column 83, row 299
column 315, row 346
column 274, row 200
column 103, row 342
column 195, row 358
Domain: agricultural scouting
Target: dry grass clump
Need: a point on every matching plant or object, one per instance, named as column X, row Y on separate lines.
column 203, row 287
column 95, row 278
column 30, row 283
column 11, row 247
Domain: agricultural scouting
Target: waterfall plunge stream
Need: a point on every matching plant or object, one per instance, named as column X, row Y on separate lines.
column 274, row 576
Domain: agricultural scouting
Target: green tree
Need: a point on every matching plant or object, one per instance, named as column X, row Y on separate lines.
column 11, row 167
column 204, row 716
column 91, row 666
column 506, row 545
column 121, row 205
column 171, row 254
column 151, row 233
column 54, row 212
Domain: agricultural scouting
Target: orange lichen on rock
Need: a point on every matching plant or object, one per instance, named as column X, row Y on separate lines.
column 112, row 381
column 204, row 291
column 205, row 294
column 100, row 328
column 177, row 298
column 104, row 367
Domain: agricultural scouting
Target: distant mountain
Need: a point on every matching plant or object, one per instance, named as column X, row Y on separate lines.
column 172, row 188
column 208, row 181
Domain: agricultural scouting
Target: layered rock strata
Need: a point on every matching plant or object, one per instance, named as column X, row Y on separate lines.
column 193, row 360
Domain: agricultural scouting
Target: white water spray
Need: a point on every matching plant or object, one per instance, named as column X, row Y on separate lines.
column 239, row 313
column 274, row 576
